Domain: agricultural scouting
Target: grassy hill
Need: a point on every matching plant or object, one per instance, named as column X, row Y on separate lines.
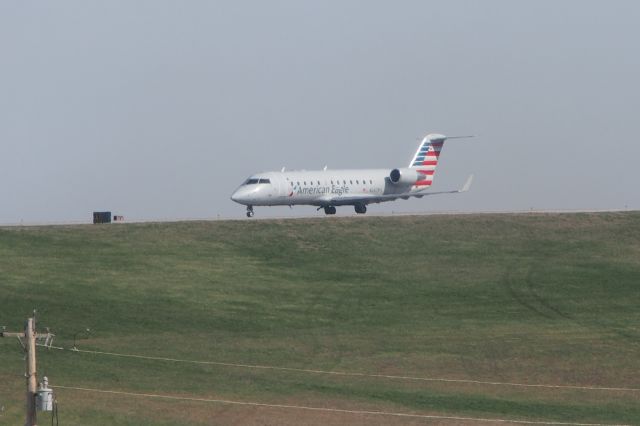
column 538, row 299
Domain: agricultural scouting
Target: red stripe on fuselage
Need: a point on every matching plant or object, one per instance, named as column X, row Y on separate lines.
column 427, row 172
column 423, row 182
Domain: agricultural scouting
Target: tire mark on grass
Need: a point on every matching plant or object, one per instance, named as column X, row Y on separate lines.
column 541, row 300
column 520, row 298
column 545, row 308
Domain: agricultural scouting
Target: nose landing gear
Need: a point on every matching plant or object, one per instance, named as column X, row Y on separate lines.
column 249, row 211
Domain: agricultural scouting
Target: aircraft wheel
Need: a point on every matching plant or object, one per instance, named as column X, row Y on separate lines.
column 249, row 211
column 330, row 210
column 360, row 208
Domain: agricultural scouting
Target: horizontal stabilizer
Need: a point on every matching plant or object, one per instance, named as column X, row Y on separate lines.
column 461, row 137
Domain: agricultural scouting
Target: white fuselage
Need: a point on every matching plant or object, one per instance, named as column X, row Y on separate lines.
column 318, row 188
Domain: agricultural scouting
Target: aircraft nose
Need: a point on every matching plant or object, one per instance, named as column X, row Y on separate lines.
column 240, row 196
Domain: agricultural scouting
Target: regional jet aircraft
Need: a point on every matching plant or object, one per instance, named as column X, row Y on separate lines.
column 327, row 189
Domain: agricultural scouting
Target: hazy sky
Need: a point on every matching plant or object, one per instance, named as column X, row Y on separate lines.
column 158, row 110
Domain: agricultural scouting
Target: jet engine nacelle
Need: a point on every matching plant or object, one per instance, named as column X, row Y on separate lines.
column 404, row 176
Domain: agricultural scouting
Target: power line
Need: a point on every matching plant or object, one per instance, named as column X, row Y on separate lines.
column 328, row 409
column 354, row 374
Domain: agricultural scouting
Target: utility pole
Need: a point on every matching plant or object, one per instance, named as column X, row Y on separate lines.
column 29, row 346
column 32, row 379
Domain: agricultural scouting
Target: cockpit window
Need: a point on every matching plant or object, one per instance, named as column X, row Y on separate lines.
column 253, row 181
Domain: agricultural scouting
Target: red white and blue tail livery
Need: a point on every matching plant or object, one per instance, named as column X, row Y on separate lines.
column 356, row 187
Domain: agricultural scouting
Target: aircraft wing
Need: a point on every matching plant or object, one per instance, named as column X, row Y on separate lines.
column 370, row 198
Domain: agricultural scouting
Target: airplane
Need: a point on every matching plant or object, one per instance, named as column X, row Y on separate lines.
column 328, row 189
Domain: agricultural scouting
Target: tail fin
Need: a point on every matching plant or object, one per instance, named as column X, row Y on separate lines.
column 429, row 151
column 426, row 158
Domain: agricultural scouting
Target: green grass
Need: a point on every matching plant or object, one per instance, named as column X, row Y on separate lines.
column 539, row 298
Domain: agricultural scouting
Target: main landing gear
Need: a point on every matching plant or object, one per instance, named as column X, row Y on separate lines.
column 249, row 211
column 360, row 208
column 330, row 210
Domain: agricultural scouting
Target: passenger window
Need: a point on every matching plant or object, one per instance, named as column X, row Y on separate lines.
column 298, row 183
column 370, row 181
column 305, row 182
column 351, row 182
column 318, row 182
column 357, row 183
